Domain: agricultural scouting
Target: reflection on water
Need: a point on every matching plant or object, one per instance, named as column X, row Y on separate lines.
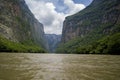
column 59, row 67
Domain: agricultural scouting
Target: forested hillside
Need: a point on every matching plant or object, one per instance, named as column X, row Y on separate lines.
column 96, row 29
column 19, row 30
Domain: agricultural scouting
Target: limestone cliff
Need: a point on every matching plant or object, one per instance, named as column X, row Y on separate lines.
column 53, row 41
column 18, row 24
column 100, row 19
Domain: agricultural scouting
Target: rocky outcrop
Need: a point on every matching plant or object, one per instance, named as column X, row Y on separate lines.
column 93, row 30
column 18, row 24
column 101, row 17
column 53, row 40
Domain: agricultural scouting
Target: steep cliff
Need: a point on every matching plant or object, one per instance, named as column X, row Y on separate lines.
column 18, row 25
column 98, row 20
column 53, row 41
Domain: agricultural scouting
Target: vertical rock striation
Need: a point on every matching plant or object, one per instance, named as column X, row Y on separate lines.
column 101, row 14
column 18, row 24
column 97, row 21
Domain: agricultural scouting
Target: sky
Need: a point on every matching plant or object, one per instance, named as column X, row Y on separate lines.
column 52, row 13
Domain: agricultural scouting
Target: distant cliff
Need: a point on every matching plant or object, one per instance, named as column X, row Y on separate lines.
column 18, row 26
column 89, row 26
column 53, row 41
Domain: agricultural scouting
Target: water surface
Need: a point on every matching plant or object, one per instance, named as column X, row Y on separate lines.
column 59, row 67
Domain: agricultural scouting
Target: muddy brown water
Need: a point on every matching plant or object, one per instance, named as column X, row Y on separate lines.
column 14, row 66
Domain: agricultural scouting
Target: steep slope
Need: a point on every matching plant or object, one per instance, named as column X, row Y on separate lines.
column 19, row 26
column 98, row 20
column 53, row 41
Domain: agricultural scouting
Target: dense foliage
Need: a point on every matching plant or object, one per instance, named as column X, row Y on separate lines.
column 94, row 30
column 20, row 31
column 9, row 46
column 107, row 45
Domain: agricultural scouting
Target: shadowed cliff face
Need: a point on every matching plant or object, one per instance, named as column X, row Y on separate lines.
column 95, row 29
column 18, row 24
column 53, row 40
column 101, row 17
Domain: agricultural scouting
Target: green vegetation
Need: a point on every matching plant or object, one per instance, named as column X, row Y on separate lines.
column 19, row 30
column 9, row 46
column 96, row 29
column 106, row 45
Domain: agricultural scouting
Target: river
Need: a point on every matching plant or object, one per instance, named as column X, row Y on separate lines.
column 14, row 66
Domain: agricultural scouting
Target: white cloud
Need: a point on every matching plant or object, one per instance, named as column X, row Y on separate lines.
column 72, row 7
column 52, row 20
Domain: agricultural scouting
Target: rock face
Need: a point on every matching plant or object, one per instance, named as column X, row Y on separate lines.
column 53, row 41
column 18, row 24
column 97, row 21
column 100, row 17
